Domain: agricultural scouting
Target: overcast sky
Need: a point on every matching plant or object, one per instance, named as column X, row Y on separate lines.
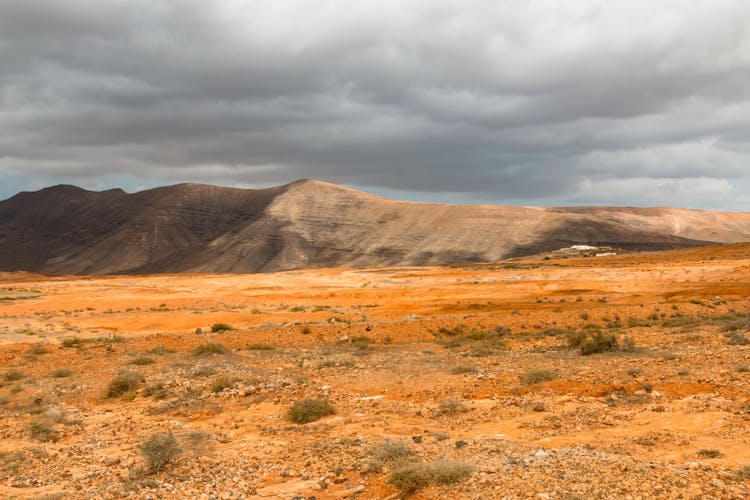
column 499, row 101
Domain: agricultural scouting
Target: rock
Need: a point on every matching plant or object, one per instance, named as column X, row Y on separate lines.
column 110, row 461
column 538, row 406
column 351, row 491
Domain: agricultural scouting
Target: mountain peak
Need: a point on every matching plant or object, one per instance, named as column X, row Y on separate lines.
column 311, row 223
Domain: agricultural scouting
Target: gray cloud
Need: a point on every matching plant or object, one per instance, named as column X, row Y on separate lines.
column 588, row 101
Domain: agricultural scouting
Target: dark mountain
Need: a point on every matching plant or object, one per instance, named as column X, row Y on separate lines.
column 198, row 228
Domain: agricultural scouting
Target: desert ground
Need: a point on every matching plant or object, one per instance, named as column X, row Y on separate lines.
column 556, row 376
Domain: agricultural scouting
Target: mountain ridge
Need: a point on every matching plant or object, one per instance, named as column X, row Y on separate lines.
column 189, row 227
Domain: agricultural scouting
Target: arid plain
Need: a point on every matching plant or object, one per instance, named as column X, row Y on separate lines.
column 552, row 376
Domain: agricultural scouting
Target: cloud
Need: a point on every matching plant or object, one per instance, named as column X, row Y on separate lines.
column 498, row 101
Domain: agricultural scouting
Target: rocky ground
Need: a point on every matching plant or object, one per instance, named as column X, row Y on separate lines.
column 473, row 382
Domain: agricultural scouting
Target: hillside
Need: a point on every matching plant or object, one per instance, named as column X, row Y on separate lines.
column 199, row 228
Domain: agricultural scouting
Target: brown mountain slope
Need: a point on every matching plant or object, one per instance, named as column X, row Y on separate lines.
column 723, row 227
column 200, row 228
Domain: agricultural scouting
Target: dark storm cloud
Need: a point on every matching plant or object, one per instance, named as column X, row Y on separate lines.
column 575, row 102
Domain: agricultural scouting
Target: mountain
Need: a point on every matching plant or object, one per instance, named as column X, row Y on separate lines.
column 308, row 223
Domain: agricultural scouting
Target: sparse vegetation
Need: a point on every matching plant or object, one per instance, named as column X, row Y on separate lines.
column 42, row 429
column 160, row 350
column 160, row 450
column 390, row 451
column 196, row 441
column 142, row 361
column 737, row 338
column 308, row 410
column 537, row 376
column 72, row 342
column 361, row 342
column 37, row 349
column 210, row 348
column 156, row 391
column 446, row 471
column 125, row 382
column 743, row 473
column 61, row 373
column 460, row 336
column 593, row 343
column 223, row 382
column 709, row 453
column 457, row 370
column 527, row 410
column 13, row 375
column 412, row 477
column 441, row 435
column 452, row 407
column 220, row 327
column 260, row 347
column 203, row 371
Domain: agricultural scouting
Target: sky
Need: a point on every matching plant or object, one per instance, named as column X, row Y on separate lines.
column 531, row 102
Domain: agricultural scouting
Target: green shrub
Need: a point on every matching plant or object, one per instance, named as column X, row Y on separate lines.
column 735, row 322
column 452, row 407
column 452, row 332
column 594, row 343
column 142, row 361
column 310, row 410
column 457, row 370
column 160, row 350
column 156, row 391
column 538, row 376
column 223, row 382
column 459, row 336
column 743, row 473
column 72, row 342
column 737, row 338
column 709, row 453
column 61, row 373
column 13, row 375
column 446, row 471
column 37, row 349
column 220, row 327
column 440, row 435
column 43, row 429
column 210, row 348
column 260, row 347
column 410, row 478
column 125, row 382
column 390, row 451
column 361, row 342
column 160, row 450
